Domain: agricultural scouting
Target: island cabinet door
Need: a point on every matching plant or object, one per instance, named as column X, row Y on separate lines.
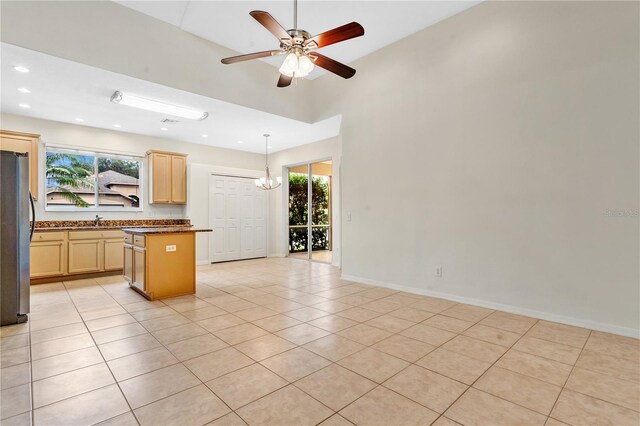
column 85, row 256
column 139, row 268
column 113, row 258
column 128, row 262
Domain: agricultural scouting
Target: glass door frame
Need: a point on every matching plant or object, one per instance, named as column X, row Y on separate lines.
column 309, row 225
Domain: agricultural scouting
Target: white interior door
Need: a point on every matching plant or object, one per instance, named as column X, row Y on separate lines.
column 238, row 213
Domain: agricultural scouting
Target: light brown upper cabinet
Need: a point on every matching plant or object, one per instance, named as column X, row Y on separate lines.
column 178, row 179
column 168, row 177
column 23, row 142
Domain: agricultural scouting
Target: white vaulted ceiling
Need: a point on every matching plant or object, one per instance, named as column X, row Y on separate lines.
column 63, row 90
column 228, row 23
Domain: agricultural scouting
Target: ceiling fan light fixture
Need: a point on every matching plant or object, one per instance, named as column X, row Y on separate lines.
column 305, row 65
column 300, row 46
column 157, row 106
column 296, row 66
column 290, row 65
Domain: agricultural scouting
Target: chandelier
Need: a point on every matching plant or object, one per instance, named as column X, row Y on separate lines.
column 267, row 182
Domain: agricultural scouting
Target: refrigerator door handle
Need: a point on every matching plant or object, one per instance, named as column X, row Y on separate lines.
column 33, row 215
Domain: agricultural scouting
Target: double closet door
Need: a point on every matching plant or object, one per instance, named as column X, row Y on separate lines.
column 238, row 215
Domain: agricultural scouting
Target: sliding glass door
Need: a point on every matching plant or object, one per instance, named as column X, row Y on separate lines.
column 310, row 211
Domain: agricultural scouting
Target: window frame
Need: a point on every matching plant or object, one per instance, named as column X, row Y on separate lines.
column 96, row 207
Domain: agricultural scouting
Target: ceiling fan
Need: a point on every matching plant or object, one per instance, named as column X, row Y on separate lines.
column 300, row 47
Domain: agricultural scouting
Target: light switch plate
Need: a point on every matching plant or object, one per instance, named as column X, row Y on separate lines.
column 171, row 248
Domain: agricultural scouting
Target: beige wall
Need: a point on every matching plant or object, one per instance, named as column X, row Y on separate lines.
column 62, row 134
column 495, row 144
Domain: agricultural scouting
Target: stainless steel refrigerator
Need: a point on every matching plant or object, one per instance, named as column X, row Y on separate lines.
column 15, row 235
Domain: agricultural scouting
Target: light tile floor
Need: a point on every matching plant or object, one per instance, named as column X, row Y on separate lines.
column 287, row 342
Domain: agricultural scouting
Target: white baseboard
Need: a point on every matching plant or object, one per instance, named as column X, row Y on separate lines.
column 202, row 262
column 548, row 316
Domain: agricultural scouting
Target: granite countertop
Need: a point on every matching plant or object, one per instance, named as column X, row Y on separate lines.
column 163, row 230
column 89, row 225
column 107, row 228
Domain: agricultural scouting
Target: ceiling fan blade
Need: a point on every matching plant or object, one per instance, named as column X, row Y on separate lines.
column 336, row 35
column 249, row 56
column 331, row 65
column 284, row 81
column 269, row 22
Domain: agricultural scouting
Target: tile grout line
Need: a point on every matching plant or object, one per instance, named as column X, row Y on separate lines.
column 102, row 356
column 485, row 371
column 406, row 305
column 139, row 375
column 555, row 403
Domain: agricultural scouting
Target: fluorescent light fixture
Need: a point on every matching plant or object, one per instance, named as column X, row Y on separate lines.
column 157, row 106
column 21, row 68
column 117, row 126
column 205, row 136
column 164, row 129
column 80, row 120
column 26, row 106
column 24, row 90
column 240, row 142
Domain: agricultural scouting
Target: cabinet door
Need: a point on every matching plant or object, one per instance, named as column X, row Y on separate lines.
column 160, row 178
column 178, row 179
column 47, row 258
column 113, row 254
column 85, row 256
column 128, row 262
column 139, row 268
column 23, row 142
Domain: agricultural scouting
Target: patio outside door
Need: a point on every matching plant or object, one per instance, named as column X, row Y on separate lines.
column 310, row 211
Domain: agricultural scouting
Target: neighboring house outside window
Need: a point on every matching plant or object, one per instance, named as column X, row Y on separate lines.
column 80, row 180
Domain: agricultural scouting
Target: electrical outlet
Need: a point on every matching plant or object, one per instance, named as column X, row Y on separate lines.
column 348, row 217
column 439, row 271
column 171, row 248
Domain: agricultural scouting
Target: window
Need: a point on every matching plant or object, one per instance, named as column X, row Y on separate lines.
column 78, row 180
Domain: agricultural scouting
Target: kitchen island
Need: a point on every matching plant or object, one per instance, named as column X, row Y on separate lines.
column 161, row 262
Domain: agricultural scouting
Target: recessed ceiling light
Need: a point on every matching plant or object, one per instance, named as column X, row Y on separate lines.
column 117, row 125
column 205, row 136
column 79, row 120
column 21, row 68
column 24, row 90
column 240, row 142
column 157, row 106
column 164, row 129
column 269, row 147
column 26, row 106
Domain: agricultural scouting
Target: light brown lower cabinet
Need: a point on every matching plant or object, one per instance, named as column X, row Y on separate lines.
column 163, row 264
column 62, row 253
column 85, row 256
column 113, row 258
column 139, row 268
column 48, row 258
column 128, row 262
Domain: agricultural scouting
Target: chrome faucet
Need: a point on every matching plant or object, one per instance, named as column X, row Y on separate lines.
column 97, row 221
